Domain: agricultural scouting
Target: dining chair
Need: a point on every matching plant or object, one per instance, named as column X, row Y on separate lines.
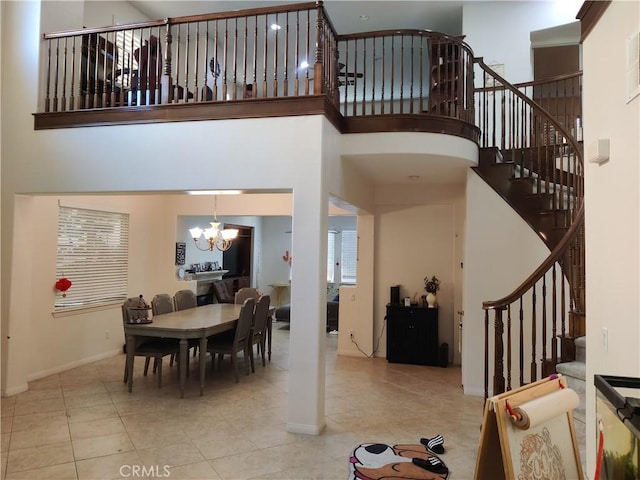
column 148, row 347
column 259, row 328
column 247, row 292
column 184, row 299
column 239, row 340
column 160, row 304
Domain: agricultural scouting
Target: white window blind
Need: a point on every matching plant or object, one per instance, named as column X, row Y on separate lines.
column 331, row 256
column 349, row 256
column 93, row 251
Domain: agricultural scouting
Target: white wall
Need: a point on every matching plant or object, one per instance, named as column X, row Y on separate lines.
column 499, row 30
column 496, row 240
column 612, row 206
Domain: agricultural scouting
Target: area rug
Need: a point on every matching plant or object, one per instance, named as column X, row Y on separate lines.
column 381, row 461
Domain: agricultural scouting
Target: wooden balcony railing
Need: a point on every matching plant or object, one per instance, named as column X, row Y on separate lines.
column 257, row 55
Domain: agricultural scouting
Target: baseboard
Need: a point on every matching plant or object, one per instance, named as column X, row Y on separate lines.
column 474, row 392
column 305, row 429
column 15, row 390
column 74, row 364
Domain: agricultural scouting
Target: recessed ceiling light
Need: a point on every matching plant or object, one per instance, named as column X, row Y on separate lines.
column 364, row 18
column 414, row 177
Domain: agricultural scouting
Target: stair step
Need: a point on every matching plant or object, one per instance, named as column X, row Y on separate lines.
column 575, row 369
column 581, row 349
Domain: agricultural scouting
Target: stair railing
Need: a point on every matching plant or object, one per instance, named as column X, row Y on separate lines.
column 546, row 153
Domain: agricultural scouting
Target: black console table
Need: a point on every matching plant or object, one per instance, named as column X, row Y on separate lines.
column 412, row 335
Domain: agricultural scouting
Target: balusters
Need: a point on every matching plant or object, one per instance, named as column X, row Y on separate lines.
column 521, row 341
column 244, row 58
column 498, row 374
column 196, row 62
column 508, row 386
column 176, row 91
column 63, row 100
column 56, row 76
column 72, row 100
column 255, row 59
column 533, row 373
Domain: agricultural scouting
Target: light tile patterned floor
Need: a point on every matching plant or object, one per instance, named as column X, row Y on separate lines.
column 83, row 424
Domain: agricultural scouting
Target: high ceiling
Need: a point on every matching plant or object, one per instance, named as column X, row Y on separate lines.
column 347, row 16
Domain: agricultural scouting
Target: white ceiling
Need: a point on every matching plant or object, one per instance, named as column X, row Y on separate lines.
column 440, row 16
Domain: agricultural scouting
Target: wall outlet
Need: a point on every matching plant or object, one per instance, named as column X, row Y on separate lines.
column 107, row 335
column 605, row 339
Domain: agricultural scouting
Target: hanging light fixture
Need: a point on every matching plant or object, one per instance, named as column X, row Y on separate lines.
column 216, row 236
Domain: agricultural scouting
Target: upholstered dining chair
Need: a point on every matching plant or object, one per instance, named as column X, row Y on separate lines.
column 184, row 299
column 247, row 292
column 259, row 329
column 239, row 340
column 160, row 304
column 148, row 347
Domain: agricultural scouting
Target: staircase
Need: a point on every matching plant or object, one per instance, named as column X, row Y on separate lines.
column 535, row 164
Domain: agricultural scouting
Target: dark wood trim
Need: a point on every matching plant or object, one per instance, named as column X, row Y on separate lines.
column 412, row 123
column 257, row 108
column 183, row 112
column 589, row 14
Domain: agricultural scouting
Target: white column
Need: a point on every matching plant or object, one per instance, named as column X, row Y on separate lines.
column 308, row 309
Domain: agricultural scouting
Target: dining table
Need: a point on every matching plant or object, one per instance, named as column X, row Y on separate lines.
column 184, row 325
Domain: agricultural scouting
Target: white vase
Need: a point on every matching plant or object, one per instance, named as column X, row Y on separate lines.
column 432, row 300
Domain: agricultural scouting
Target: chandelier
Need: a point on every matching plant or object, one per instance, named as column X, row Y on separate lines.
column 216, row 236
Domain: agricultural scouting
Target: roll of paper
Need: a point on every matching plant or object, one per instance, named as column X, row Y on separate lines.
column 541, row 409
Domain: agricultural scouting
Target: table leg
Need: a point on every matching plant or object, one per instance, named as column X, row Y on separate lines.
column 131, row 350
column 184, row 358
column 203, row 362
column 269, row 324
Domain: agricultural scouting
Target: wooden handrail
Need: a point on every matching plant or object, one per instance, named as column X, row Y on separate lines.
column 533, row 105
column 533, row 83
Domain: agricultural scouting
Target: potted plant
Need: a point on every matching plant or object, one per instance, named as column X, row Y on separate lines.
column 431, row 285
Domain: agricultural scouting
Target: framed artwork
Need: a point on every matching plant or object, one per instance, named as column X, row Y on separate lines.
column 181, row 250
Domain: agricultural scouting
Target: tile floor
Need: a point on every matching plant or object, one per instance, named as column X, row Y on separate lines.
column 83, row 424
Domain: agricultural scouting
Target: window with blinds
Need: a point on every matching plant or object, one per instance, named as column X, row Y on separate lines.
column 331, row 255
column 349, row 257
column 93, row 250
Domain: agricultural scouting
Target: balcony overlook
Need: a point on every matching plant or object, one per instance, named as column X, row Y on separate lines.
column 261, row 62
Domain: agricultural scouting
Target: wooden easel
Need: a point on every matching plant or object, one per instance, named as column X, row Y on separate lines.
column 500, row 453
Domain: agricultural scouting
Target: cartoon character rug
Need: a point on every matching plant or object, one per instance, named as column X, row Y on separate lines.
column 380, row 461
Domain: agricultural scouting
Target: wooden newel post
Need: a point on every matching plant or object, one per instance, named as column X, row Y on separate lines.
column 318, row 68
column 166, row 86
column 498, row 363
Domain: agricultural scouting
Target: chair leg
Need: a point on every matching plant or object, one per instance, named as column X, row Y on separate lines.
column 125, row 373
column 234, row 365
column 155, row 365
column 248, row 350
column 171, row 360
column 146, row 365
column 262, row 348
column 159, row 360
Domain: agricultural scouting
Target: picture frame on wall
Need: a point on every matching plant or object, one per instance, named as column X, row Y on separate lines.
column 181, row 251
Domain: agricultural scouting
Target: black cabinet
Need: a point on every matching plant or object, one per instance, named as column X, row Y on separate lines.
column 412, row 335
